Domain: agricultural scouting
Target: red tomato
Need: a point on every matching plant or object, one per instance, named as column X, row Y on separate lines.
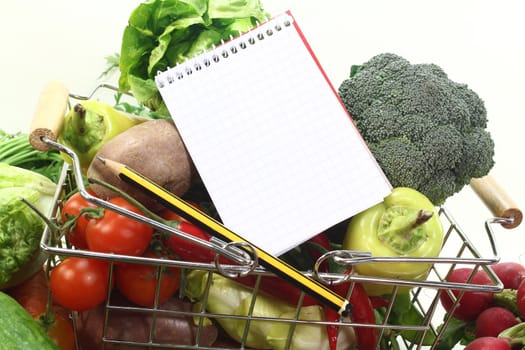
column 185, row 249
column 32, row 295
column 80, row 283
column 72, row 209
column 138, row 283
column 116, row 233
column 61, row 332
column 169, row 214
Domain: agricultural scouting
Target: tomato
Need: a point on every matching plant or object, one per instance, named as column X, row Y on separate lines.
column 171, row 215
column 80, row 283
column 32, row 295
column 61, row 331
column 139, row 282
column 116, row 233
column 72, row 208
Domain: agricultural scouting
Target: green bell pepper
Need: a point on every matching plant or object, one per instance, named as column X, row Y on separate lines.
column 405, row 224
column 89, row 125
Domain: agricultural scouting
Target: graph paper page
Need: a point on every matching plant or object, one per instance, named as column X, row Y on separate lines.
column 275, row 148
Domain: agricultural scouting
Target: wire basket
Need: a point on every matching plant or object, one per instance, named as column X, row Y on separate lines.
column 425, row 333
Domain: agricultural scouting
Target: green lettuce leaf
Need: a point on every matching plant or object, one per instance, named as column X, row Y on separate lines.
column 163, row 33
column 21, row 227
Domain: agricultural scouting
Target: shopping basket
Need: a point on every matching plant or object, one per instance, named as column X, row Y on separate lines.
column 458, row 251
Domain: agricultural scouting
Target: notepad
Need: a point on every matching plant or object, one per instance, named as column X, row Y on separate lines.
column 277, row 151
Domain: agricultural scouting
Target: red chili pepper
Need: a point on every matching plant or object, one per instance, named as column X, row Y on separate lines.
column 362, row 309
column 331, row 315
column 362, row 312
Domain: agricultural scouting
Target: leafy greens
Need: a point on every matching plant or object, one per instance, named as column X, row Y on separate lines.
column 20, row 226
column 164, row 33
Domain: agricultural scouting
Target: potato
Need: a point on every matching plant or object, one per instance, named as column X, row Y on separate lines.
column 127, row 325
column 153, row 149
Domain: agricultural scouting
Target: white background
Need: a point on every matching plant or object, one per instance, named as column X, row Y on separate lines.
column 476, row 42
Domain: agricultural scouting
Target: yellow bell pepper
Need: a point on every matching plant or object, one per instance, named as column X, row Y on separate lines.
column 405, row 224
column 89, row 125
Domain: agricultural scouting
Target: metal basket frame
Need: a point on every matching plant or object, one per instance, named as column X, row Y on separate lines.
column 424, row 294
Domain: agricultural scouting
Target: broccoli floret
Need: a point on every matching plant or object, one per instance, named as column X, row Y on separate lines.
column 425, row 130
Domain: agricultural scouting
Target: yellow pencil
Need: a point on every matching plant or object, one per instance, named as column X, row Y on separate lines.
column 310, row 286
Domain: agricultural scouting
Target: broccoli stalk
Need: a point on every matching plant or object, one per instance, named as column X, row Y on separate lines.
column 426, row 131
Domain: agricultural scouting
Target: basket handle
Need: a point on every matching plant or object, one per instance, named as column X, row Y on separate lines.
column 49, row 115
column 497, row 200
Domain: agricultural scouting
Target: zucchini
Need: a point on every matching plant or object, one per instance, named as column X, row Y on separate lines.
column 18, row 330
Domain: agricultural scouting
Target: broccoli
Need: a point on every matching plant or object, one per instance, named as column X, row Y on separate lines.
column 426, row 131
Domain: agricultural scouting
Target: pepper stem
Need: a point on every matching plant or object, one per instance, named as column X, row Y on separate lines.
column 401, row 228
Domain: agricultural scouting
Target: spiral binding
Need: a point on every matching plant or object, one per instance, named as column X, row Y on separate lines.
column 217, row 54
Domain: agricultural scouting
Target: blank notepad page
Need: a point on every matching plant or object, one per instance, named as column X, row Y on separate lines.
column 277, row 151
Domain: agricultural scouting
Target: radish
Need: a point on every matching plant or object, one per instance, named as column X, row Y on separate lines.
column 510, row 273
column 493, row 321
column 520, row 299
column 471, row 304
column 488, row 343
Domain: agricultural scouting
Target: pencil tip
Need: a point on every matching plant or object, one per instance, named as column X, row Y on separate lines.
column 103, row 160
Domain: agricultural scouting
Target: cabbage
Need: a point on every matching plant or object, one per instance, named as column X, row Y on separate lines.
column 227, row 297
column 21, row 227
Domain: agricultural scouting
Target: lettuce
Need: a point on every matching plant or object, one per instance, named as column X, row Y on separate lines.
column 164, row 33
column 21, row 227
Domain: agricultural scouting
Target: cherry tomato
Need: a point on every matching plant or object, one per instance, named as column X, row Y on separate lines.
column 72, row 209
column 116, row 233
column 80, row 283
column 138, row 282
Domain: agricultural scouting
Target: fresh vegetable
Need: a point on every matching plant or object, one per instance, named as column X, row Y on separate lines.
column 170, row 326
column 89, row 125
column 426, row 131
column 139, row 283
column 115, row 233
column 154, row 149
column 405, row 224
column 75, row 217
column 18, row 329
column 164, row 33
column 21, row 227
column 488, row 343
column 226, row 297
column 510, row 273
column 472, row 303
column 515, row 335
column 520, row 299
column 80, row 283
column 16, row 150
column 33, row 296
column 183, row 248
column 494, row 320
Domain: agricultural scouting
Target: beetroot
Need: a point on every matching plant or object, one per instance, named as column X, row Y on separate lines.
column 493, row 321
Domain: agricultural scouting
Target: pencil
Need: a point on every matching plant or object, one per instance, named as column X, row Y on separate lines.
column 307, row 284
